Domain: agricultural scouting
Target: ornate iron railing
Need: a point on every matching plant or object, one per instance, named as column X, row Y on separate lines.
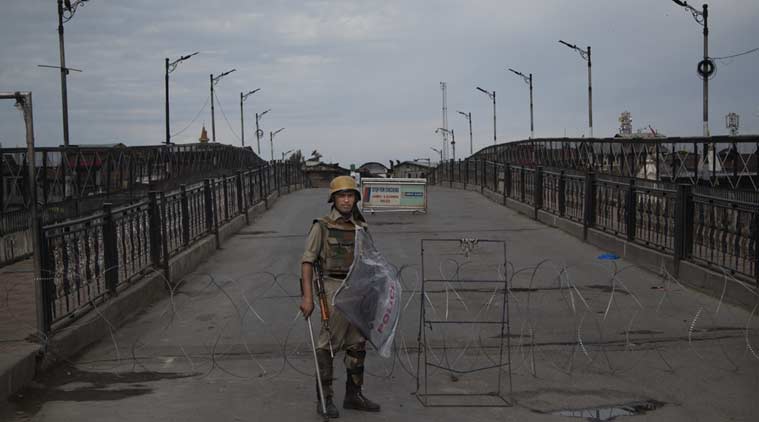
column 710, row 226
column 88, row 260
column 730, row 162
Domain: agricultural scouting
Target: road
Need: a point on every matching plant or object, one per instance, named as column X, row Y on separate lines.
column 588, row 336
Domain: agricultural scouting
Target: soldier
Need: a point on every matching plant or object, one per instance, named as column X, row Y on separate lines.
column 330, row 244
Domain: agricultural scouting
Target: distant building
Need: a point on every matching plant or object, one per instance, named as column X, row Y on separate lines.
column 411, row 170
column 320, row 174
column 373, row 169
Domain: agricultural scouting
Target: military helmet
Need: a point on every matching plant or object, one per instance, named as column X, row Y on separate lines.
column 341, row 183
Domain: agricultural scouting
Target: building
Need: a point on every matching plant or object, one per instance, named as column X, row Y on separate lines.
column 411, row 170
column 373, row 169
column 320, row 174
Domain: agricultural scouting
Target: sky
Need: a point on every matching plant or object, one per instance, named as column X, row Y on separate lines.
column 359, row 80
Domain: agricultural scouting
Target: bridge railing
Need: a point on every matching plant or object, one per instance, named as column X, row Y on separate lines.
column 89, row 260
column 717, row 228
column 728, row 162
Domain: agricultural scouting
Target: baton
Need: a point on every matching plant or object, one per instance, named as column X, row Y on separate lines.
column 316, row 365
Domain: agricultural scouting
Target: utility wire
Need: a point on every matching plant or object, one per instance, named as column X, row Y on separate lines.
column 225, row 118
column 193, row 119
column 736, row 55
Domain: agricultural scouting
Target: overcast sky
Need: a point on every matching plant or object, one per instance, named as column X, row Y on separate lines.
column 359, row 80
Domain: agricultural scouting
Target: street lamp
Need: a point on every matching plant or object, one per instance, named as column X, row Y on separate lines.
column 453, row 139
column 468, row 116
column 285, row 153
column 706, row 66
column 271, row 141
column 528, row 81
column 585, row 54
column 492, row 97
column 65, row 13
column 439, row 151
column 259, row 132
column 244, row 97
column 214, row 81
column 170, row 66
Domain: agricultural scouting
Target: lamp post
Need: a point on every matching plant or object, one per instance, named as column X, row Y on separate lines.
column 439, row 151
column 214, row 81
column 285, row 153
column 271, row 141
column 453, row 139
column 259, row 132
column 492, row 97
column 585, row 54
column 170, row 67
column 244, row 97
column 66, row 10
column 528, row 81
column 468, row 116
column 705, row 67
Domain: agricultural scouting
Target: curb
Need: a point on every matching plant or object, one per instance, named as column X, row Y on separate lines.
column 131, row 301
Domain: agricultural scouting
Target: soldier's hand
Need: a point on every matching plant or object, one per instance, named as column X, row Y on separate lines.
column 306, row 307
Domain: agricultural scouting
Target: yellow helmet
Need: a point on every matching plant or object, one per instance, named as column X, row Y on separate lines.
column 341, row 183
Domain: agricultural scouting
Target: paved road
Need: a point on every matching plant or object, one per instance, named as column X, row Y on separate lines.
column 585, row 333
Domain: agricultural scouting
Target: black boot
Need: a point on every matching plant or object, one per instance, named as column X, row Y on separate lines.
column 354, row 399
column 324, row 360
column 332, row 412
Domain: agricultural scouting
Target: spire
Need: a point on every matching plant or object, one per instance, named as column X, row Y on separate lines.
column 203, row 136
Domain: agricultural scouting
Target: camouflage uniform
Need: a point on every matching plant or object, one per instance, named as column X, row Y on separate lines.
column 331, row 241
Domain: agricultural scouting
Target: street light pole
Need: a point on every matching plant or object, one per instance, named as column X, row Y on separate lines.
column 706, row 66
column 285, row 153
column 244, row 97
column 528, row 81
column 259, row 132
column 271, row 141
column 214, row 81
column 468, row 116
column 453, row 139
column 439, row 152
column 170, row 66
column 64, row 15
column 585, row 54
column 492, row 97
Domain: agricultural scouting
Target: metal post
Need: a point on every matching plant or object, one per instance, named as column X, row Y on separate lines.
column 522, row 183
column 532, row 125
column 683, row 225
column 185, row 204
column 471, row 143
column 242, row 122
column 453, row 144
column 507, row 179
column 154, row 232
column 589, row 204
column 240, row 196
column 590, row 96
column 630, row 210
column 209, row 205
column 64, row 73
column 706, row 77
column 110, row 250
column 562, row 194
column 166, row 77
column 213, row 121
column 258, row 136
column 538, row 190
column 494, row 129
column 164, row 238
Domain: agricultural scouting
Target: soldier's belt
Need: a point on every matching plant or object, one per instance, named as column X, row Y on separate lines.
column 336, row 275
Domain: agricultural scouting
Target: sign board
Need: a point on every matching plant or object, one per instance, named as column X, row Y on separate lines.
column 385, row 194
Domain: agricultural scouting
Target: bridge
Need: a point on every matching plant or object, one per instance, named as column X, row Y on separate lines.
column 630, row 279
